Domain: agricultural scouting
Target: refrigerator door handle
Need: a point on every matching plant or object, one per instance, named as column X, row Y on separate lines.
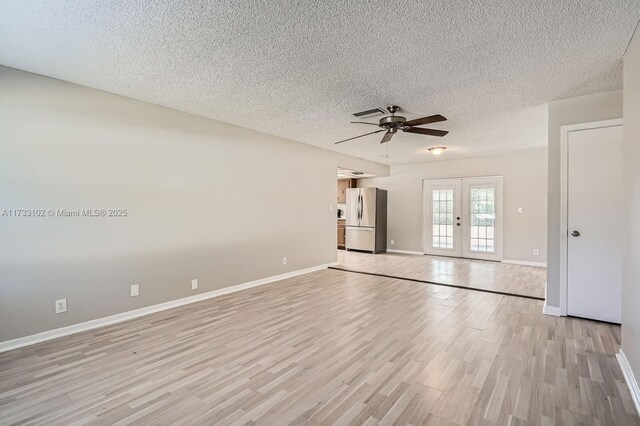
column 360, row 206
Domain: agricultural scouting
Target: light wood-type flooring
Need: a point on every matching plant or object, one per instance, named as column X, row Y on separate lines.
column 326, row 348
column 494, row 276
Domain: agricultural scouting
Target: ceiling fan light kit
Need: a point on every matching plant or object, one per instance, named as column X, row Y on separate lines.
column 392, row 123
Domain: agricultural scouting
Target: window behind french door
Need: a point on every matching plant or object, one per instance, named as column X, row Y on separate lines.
column 463, row 217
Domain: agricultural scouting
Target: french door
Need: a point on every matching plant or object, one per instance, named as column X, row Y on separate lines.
column 443, row 214
column 463, row 217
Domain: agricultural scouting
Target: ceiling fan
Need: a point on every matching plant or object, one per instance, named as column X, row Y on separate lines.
column 392, row 123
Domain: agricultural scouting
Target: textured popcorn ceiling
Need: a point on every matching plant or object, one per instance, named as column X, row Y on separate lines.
column 299, row 69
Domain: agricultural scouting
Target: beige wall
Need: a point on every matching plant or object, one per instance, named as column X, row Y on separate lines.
column 582, row 109
column 525, row 185
column 631, row 170
column 204, row 199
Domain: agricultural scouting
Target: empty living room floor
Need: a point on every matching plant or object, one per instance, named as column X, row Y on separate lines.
column 329, row 347
column 480, row 274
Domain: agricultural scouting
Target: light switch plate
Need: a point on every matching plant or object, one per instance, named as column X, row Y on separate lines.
column 135, row 290
column 519, row 209
column 194, row 284
column 284, row 260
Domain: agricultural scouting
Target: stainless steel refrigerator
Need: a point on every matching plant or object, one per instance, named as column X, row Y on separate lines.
column 366, row 220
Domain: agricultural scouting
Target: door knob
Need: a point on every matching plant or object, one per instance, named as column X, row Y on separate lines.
column 575, row 233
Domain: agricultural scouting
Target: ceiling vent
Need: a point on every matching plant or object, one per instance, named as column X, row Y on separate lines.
column 370, row 113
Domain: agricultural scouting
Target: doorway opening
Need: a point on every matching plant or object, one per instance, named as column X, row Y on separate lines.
column 347, row 179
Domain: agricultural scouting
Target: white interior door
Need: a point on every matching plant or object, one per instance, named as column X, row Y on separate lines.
column 594, row 203
column 482, row 218
column 443, row 212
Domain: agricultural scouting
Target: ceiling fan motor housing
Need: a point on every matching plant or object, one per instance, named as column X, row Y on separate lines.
column 392, row 122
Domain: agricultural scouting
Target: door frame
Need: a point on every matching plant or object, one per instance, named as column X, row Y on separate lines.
column 564, row 201
column 499, row 212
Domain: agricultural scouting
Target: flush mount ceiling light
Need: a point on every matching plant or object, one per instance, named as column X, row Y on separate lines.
column 437, row 150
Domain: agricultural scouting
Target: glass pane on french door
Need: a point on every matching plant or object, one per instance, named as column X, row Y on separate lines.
column 442, row 222
column 482, row 219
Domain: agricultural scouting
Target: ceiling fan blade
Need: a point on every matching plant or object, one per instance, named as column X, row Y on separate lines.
column 428, row 132
column 387, row 137
column 425, row 120
column 356, row 137
column 364, row 122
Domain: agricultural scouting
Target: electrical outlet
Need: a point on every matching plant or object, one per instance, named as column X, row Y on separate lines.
column 61, row 306
column 284, row 260
column 536, row 252
column 330, row 207
column 393, row 242
column 135, row 290
column 194, row 284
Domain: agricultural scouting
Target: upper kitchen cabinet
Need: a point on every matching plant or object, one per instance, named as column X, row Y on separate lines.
column 343, row 185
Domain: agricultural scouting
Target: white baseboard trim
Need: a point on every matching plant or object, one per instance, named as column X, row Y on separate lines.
column 405, row 252
column 124, row 316
column 551, row 310
column 524, row 263
column 627, row 372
